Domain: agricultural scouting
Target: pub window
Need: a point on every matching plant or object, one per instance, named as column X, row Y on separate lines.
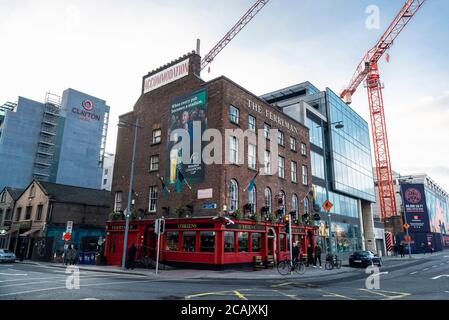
column 267, row 198
column 233, row 195
column 293, row 172
column 173, row 241
column 18, row 213
column 282, row 241
column 39, row 212
column 292, row 144
column 252, row 199
column 28, row 212
column 154, row 163
column 306, row 206
column 304, row 175
column 157, row 136
column 267, row 162
column 303, row 149
column 280, row 138
column 251, row 123
column 252, row 156
column 233, row 150
column 207, row 241
column 256, row 241
column 234, row 114
column 189, row 241
column 266, row 130
column 229, row 244
column 243, row 241
column 152, row 195
column 118, row 201
column 281, row 165
column 295, row 203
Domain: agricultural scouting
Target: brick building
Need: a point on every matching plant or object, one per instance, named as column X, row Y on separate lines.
column 171, row 95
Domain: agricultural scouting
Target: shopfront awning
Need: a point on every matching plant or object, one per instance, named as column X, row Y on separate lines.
column 29, row 232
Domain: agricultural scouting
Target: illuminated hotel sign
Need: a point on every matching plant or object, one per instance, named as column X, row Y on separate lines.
column 166, row 76
column 272, row 116
column 85, row 114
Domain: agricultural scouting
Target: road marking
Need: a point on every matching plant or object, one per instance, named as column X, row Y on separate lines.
column 435, row 266
column 388, row 297
column 90, row 299
column 332, row 294
column 64, row 287
column 241, row 296
column 282, row 284
column 446, row 291
column 440, row 276
column 414, row 272
column 380, row 273
column 13, row 274
column 291, row 296
column 425, row 269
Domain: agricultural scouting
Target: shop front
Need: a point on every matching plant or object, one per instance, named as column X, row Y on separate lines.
column 207, row 242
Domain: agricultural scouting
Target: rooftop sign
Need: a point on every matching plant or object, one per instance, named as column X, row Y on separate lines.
column 166, row 76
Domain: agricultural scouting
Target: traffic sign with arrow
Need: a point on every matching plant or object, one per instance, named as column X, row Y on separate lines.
column 327, row 205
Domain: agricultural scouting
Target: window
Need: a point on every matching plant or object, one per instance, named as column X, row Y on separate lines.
column 152, row 199
column 40, row 208
column 295, row 203
column 234, row 114
column 189, row 241
column 303, row 149
column 118, row 201
column 8, row 215
column 294, row 172
column 281, row 164
column 251, row 123
column 243, row 241
column 207, row 241
column 3, row 197
column 157, row 136
column 252, row 199
column 256, row 241
column 304, row 175
column 18, row 213
column 233, row 195
column 267, row 198
column 280, row 138
column 306, row 205
column 317, row 161
column 229, row 242
column 106, row 171
column 267, row 162
column 173, row 241
column 252, row 156
column 282, row 241
column 266, row 130
column 154, row 163
column 28, row 211
column 32, row 191
column 105, row 181
column 233, row 150
column 282, row 203
column 292, row 144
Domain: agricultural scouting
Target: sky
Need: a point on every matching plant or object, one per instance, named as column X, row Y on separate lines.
column 104, row 47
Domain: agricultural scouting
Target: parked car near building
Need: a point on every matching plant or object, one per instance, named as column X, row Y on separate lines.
column 7, row 256
column 364, row 259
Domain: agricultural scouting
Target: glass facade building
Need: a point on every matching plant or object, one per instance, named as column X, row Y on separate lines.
column 349, row 162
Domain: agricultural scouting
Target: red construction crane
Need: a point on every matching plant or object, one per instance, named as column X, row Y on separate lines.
column 368, row 69
column 247, row 17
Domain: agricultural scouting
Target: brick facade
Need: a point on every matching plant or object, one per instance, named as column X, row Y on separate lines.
column 152, row 112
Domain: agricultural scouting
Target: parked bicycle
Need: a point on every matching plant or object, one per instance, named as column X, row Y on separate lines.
column 285, row 267
column 332, row 261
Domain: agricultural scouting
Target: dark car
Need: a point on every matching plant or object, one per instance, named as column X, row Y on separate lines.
column 364, row 259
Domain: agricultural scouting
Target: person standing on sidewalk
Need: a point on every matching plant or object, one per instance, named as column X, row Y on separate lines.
column 401, row 250
column 309, row 254
column 131, row 256
column 295, row 251
column 318, row 255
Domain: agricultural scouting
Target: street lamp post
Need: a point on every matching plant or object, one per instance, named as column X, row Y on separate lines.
column 401, row 179
column 128, row 209
column 339, row 125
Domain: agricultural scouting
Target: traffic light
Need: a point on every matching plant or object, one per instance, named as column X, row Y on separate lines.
column 287, row 223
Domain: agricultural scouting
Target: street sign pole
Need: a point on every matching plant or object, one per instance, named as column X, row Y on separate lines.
column 158, row 245
column 405, row 221
column 290, row 237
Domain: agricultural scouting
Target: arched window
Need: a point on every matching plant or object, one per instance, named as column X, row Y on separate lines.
column 295, row 203
column 306, row 205
column 282, row 204
column 267, row 199
column 233, row 195
column 252, row 200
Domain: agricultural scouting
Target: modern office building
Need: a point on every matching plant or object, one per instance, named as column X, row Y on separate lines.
column 60, row 141
column 348, row 165
column 426, row 210
column 214, row 219
column 108, row 171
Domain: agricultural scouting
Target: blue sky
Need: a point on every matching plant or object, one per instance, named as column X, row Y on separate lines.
column 104, row 48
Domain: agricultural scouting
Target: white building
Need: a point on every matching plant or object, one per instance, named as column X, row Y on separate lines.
column 108, row 170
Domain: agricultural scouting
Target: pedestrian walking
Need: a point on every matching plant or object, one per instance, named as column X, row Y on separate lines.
column 70, row 255
column 430, row 247
column 131, row 256
column 401, row 250
column 309, row 254
column 395, row 250
column 318, row 255
column 75, row 255
column 295, row 251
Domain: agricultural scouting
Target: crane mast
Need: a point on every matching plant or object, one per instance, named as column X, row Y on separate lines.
column 247, row 17
column 368, row 69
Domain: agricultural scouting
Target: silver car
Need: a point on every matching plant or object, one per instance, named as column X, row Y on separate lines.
column 7, row 256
